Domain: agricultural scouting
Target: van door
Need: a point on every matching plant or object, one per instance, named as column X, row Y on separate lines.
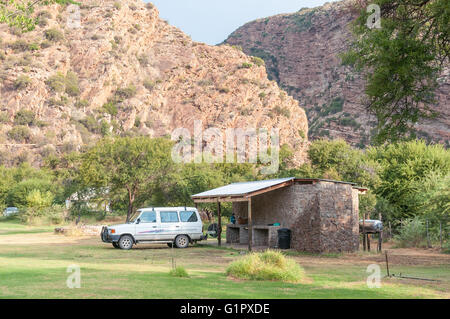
column 170, row 225
column 148, row 227
column 191, row 222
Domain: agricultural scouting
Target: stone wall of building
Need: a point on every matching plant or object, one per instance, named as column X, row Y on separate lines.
column 322, row 216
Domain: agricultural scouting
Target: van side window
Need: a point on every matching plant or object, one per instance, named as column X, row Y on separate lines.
column 148, row 217
column 169, row 217
column 188, row 217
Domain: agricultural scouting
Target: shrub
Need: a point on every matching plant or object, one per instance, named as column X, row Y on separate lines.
column 117, row 5
column 19, row 45
column 24, row 117
column 143, row 59
column 125, row 93
column 71, row 83
column 149, row 84
column 110, row 108
column 53, row 34
column 19, row 134
column 258, row 61
column 282, row 111
column 56, row 82
column 4, row 118
column 269, row 265
column 22, row 82
column 246, row 65
column 179, row 271
column 412, row 234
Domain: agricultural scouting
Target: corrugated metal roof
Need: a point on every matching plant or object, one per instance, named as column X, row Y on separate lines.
column 243, row 188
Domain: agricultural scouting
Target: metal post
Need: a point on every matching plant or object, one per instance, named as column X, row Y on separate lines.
column 387, row 264
column 250, row 225
column 219, row 224
column 364, row 232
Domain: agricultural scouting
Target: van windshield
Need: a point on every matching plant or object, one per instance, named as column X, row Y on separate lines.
column 134, row 217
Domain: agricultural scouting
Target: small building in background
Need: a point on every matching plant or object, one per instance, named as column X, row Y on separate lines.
column 323, row 215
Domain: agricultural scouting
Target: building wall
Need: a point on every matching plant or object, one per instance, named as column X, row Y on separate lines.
column 322, row 216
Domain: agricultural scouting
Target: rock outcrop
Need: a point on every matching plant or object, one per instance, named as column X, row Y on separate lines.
column 301, row 51
column 123, row 70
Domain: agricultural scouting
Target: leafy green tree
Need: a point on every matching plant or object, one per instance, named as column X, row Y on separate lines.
column 405, row 168
column 401, row 61
column 132, row 168
column 20, row 13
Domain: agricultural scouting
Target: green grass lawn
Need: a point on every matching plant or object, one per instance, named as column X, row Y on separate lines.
column 39, row 270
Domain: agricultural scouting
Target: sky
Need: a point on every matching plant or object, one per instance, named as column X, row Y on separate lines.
column 212, row 21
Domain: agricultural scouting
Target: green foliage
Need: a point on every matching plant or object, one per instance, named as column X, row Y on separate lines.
column 25, row 117
column 22, row 82
column 179, row 271
column 21, row 134
column 19, row 15
column 71, row 82
column 412, row 233
column 269, row 265
column 54, row 35
column 401, row 62
column 64, row 83
column 258, row 61
column 246, row 65
column 110, row 108
column 135, row 169
column 405, row 168
column 122, row 94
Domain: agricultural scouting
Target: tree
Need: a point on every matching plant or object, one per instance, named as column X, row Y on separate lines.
column 19, row 13
column 406, row 167
column 138, row 167
column 401, row 61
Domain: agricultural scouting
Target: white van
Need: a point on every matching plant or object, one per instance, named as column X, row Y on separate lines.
column 177, row 226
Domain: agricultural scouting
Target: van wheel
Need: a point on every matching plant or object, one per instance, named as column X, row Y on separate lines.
column 126, row 242
column 182, row 241
column 115, row 245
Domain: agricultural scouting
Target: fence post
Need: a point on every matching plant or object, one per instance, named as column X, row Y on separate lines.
column 428, row 237
column 440, row 233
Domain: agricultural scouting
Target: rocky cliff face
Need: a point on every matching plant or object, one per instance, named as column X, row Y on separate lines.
column 301, row 51
column 126, row 71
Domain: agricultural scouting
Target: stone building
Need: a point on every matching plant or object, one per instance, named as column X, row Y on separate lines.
column 322, row 215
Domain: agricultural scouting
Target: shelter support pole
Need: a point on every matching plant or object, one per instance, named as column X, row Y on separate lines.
column 250, row 225
column 219, row 224
column 364, row 232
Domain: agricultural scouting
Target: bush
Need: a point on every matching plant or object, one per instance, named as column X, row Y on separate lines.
column 412, row 234
column 179, row 271
column 22, row 82
column 246, row 65
column 20, row 134
column 71, row 83
column 110, row 108
column 270, row 265
column 258, row 61
column 24, row 117
column 54, row 35
column 57, row 82
column 125, row 93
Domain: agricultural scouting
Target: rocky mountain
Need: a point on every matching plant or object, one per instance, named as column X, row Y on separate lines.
column 301, row 51
column 123, row 70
